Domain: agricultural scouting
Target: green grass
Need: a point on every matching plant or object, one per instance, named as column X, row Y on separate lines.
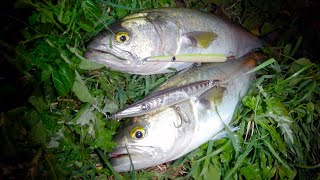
column 63, row 127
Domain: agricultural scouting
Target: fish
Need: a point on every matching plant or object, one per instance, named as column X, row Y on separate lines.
column 165, row 40
column 165, row 98
column 168, row 133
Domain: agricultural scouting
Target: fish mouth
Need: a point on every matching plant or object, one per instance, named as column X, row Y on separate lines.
column 117, row 155
column 108, row 59
column 119, row 152
column 125, row 158
column 128, row 62
column 128, row 65
column 125, row 151
column 97, row 54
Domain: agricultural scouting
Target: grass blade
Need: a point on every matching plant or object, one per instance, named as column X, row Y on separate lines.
column 114, row 173
column 240, row 159
column 261, row 66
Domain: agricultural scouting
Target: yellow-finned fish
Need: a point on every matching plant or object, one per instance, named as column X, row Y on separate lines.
column 160, row 40
column 170, row 132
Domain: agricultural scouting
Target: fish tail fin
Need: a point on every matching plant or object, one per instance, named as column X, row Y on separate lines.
column 252, row 58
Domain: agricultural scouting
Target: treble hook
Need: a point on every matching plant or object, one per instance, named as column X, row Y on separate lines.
column 177, row 109
column 182, row 119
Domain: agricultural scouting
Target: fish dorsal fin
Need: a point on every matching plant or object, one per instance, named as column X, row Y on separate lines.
column 200, row 39
column 212, row 97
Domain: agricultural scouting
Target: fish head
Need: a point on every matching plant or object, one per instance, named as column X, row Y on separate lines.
column 150, row 140
column 125, row 44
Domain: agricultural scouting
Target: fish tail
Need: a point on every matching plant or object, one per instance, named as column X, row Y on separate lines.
column 251, row 59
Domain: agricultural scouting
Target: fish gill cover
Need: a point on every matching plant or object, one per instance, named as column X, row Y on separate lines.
column 55, row 104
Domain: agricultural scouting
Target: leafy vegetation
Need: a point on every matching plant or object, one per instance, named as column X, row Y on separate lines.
column 62, row 129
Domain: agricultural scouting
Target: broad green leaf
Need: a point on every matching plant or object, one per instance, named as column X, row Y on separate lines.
column 196, row 170
column 61, row 12
column 266, row 28
column 38, row 134
column 303, row 62
column 86, row 25
column 103, row 136
column 89, row 65
column 63, row 79
column 310, row 107
column 214, row 172
column 38, row 103
column 225, row 156
column 46, row 74
column 298, row 64
column 85, row 116
column 254, row 102
column 81, row 90
column 251, row 171
column 110, row 106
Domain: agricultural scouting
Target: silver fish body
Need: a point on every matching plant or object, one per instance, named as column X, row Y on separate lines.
column 171, row 132
column 167, row 32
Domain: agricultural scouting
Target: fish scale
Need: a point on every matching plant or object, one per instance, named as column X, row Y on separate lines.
column 166, row 98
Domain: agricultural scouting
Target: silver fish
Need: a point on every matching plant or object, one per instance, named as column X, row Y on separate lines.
column 171, row 132
column 139, row 42
column 165, row 98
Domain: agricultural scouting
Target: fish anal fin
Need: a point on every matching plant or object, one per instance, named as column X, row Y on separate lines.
column 200, row 39
column 212, row 97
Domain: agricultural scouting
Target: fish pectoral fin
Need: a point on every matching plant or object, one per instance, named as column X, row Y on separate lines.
column 212, row 97
column 200, row 39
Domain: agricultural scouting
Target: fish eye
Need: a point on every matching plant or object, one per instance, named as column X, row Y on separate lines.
column 145, row 107
column 137, row 132
column 122, row 37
